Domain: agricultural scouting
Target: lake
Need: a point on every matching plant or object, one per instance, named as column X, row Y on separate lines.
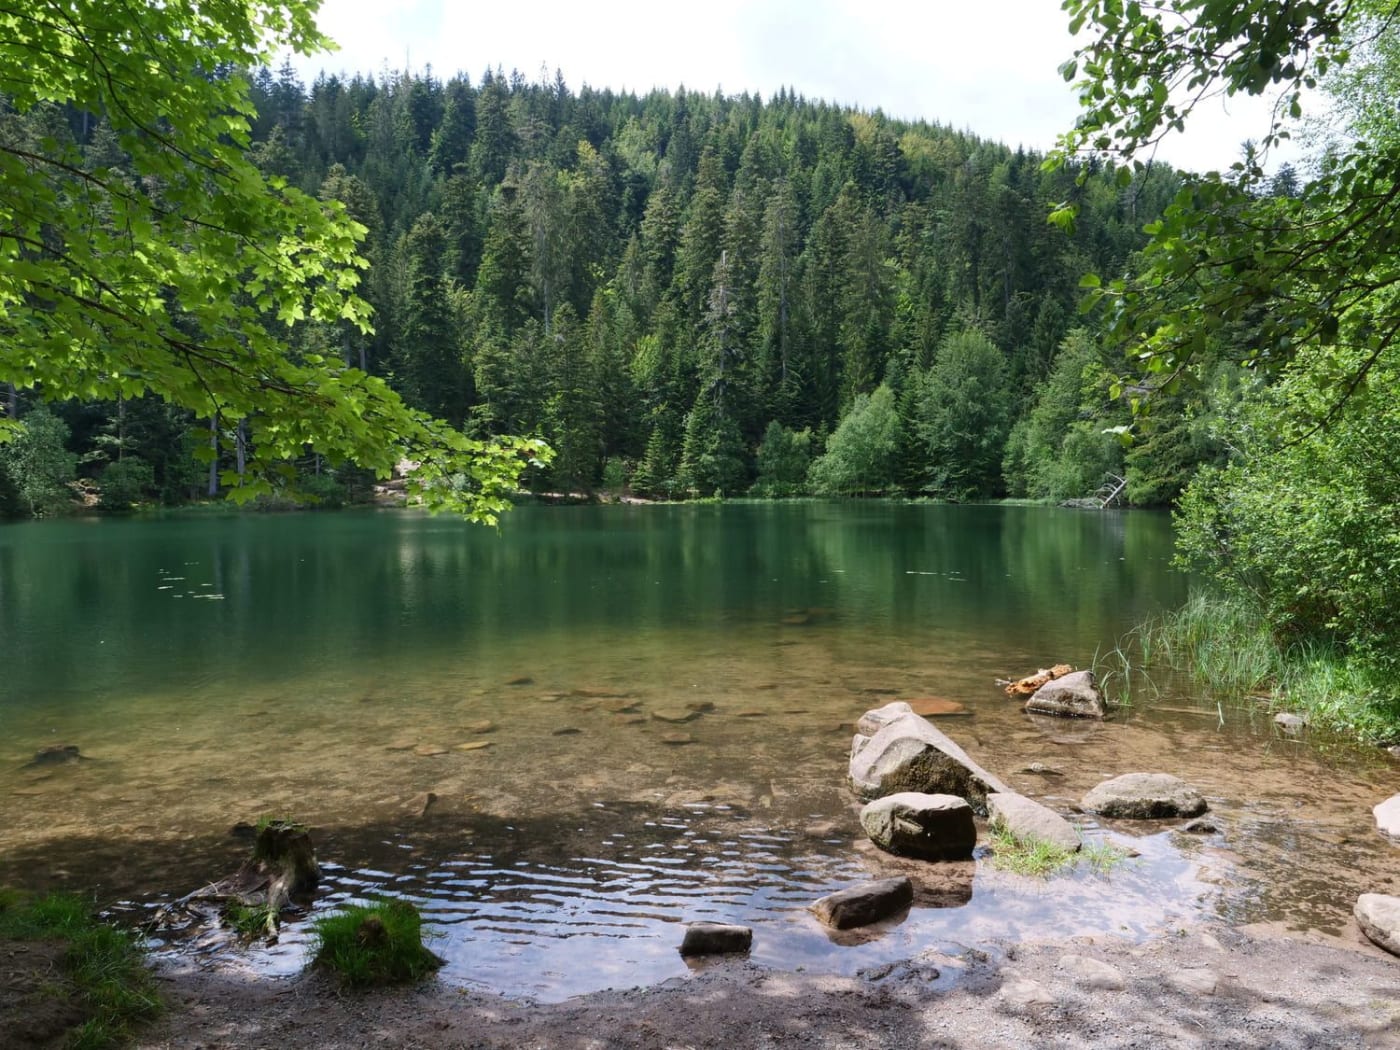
column 567, row 737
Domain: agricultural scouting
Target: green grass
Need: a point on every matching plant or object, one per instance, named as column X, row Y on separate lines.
column 1040, row 859
column 251, row 922
column 380, row 943
column 105, row 964
column 1226, row 647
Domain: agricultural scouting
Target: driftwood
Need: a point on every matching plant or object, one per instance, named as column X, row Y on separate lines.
column 1028, row 685
column 281, row 872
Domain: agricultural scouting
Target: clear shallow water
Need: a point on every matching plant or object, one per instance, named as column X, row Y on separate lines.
column 219, row 669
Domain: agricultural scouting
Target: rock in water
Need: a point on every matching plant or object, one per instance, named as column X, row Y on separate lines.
column 877, row 718
column 1379, row 919
column 1075, row 695
column 55, row 754
column 1145, row 796
column 1029, row 822
column 926, row 827
column 715, row 938
column 861, row 905
column 1388, row 817
column 907, row 753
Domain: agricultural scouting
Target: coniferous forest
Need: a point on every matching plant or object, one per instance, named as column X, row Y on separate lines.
column 684, row 294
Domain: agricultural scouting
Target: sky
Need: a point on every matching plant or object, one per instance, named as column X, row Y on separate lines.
column 988, row 66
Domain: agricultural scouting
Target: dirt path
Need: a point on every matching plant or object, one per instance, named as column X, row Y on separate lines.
column 1197, row 988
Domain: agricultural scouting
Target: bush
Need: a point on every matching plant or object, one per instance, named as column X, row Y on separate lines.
column 380, row 943
column 124, row 482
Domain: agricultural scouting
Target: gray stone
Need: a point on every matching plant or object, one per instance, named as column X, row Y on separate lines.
column 1194, row 982
column 877, row 718
column 1093, row 974
column 1388, row 816
column 1379, row 918
column 909, row 754
column 865, row 904
column 1145, row 796
column 1023, row 992
column 1291, row 722
column 1029, row 822
column 1074, row 695
column 926, row 827
column 715, row 938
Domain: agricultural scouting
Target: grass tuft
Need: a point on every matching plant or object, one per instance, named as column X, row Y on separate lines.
column 105, row 965
column 380, row 943
column 1039, row 859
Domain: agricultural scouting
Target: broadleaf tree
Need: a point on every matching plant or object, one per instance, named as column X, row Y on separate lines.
column 181, row 276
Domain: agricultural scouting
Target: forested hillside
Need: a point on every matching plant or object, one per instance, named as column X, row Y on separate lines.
column 685, row 293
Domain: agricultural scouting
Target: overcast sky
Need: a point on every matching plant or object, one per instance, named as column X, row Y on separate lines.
column 988, row 66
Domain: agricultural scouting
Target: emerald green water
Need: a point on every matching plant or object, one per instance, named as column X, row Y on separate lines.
column 331, row 667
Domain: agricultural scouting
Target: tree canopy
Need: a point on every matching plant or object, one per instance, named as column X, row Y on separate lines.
column 180, row 272
column 1230, row 265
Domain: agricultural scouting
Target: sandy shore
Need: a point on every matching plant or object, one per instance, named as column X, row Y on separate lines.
column 1202, row 987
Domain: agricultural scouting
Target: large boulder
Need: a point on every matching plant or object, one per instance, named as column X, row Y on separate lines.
column 1145, row 796
column 907, row 753
column 1075, row 695
column 926, row 827
column 1379, row 919
column 864, row 904
column 1388, row 817
column 1029, row 822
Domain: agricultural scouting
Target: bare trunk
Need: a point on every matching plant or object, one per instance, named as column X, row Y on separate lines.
column 240, row 446
column 214, row 462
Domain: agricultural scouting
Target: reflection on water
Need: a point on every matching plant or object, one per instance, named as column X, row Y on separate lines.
column 568, row 738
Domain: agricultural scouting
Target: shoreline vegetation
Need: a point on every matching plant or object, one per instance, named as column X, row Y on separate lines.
column 1228, row 648
column 74, row 980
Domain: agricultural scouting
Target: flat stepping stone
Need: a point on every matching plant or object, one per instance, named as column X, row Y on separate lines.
column 716, row 938
column 483, row 726
column 1145, row 796
column 864, row 904
column 474, row 745
column 677, row 739
column 429, row 750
